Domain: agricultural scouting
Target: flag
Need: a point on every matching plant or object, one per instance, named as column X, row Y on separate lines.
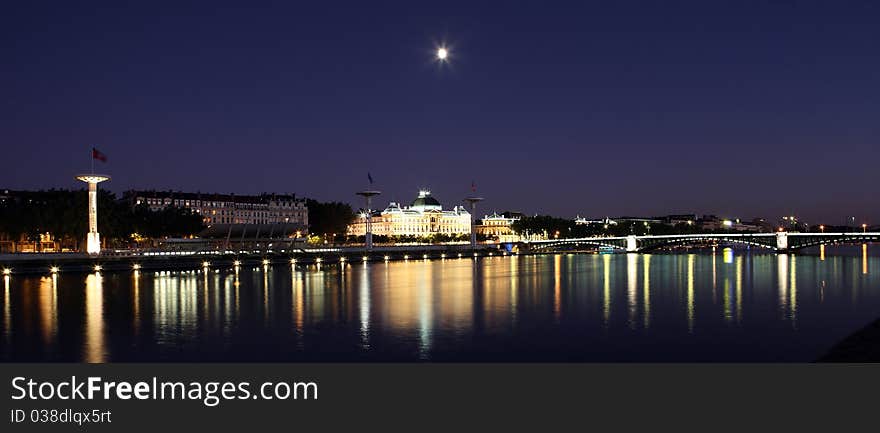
column 370, row 177
column 96, row 154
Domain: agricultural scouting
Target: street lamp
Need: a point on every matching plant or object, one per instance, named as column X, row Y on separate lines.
column 368, row 226
column 472, row 201
column 864, row 228
column 822, row 228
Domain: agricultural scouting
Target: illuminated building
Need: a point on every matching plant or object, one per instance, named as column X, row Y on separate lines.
column 498, row 227
column 228, row 208
column 713, row 223
column 584, row 221
column 424, row 217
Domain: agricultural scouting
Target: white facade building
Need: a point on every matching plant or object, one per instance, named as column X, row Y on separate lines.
column 228, row 208
column 424, row 217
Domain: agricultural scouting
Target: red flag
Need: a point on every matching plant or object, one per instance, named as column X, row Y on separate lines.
column 96, row 154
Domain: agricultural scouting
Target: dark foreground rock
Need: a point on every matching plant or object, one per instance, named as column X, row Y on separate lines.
column 862, row 346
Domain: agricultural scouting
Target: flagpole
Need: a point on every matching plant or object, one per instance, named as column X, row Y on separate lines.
column 92, row 158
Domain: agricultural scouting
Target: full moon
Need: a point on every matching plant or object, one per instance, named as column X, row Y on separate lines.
column 442, row 53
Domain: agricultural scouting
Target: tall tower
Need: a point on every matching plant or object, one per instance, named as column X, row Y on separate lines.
column 93, row 239
column 472, row 201
column 368, row 233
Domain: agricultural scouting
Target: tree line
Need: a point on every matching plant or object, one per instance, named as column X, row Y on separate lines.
column 26, row 215
column 553, row 227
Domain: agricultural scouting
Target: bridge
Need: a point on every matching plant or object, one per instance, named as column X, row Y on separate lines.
column 779, row 242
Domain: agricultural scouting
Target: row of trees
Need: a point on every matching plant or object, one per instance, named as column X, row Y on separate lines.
column 63, row 214
column 26, row 215
column 553, row 227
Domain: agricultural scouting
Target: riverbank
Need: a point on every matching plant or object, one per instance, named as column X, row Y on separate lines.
column 38, row 263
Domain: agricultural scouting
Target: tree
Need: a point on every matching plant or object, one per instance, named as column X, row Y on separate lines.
column 543, row 225
column 329, row 218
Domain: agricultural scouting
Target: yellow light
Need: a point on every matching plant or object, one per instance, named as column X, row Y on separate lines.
column 54, row 269
column 406, row 257
column 7, row 271
column 424, row 256
column 265, row 262
column 98, row 268
column 443, row 256
column 206, row 264
column 292, row 261
column 236, row 263
column 364, row 258
column 342, row 259
column 136, row 266
column 387, row 258
column 442, row 53
column 318, row 260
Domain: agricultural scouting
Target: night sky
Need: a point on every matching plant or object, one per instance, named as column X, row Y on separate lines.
column 594, row 108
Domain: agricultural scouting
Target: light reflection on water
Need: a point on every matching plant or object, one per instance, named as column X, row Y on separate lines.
column 94, row 345
column 728, row 306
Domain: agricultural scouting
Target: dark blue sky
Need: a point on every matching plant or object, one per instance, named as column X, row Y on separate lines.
column 594, row 108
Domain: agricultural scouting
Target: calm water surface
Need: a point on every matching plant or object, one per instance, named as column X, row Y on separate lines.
column 729, row 306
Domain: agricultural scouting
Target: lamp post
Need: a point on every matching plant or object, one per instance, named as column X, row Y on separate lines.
column 93, row 239
column 472, row 201
column 368, row 233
